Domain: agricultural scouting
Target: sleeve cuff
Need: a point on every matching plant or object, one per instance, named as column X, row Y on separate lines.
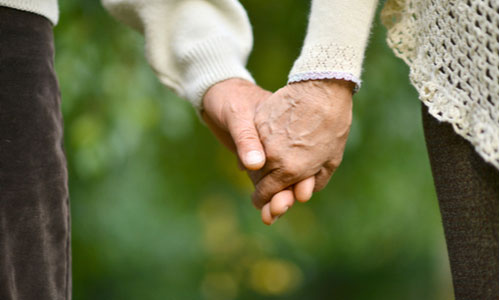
column 328, row 60
column 326, row 75
column 210, row 62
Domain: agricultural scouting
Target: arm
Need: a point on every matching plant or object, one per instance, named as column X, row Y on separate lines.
column 191, row 45
column 306, row 123
column 336, row 39
column 199, row 49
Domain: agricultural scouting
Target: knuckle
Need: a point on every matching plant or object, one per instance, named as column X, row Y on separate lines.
column 322, row 179
column 265, row 189
column 272, row 155
column 333, row 164
column 256, row 201
column 259, row 119
column 236, row 108
column 289, row 171
column 265, row 194
column 319, row 186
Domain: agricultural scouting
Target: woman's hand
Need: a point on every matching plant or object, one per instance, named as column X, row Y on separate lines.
column 303, row 128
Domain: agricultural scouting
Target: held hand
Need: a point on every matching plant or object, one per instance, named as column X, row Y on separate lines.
column 229, row 110
column 303, row 128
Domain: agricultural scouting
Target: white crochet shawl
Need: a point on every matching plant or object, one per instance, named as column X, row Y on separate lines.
column 451, row 48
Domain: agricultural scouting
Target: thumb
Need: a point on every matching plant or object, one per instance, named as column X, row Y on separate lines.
column 248, row 145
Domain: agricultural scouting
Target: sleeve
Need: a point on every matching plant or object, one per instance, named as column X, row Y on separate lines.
column 335, row 42
column 190, row 44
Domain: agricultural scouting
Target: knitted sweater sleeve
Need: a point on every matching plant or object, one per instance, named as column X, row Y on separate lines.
column 191, row 45
column 335, row 42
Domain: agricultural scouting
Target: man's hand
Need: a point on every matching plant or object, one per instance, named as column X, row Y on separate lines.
column 303, row 128
column 229, row 111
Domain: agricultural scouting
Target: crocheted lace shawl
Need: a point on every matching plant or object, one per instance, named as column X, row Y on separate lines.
column 451, row 48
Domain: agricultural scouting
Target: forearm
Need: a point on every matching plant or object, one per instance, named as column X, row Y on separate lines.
column 191, row 45
column 336, row 39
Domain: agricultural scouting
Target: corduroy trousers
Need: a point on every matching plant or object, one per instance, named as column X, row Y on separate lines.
column 35, row 257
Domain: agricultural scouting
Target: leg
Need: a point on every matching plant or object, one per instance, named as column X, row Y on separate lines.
column 34, row 213
column 467, row 190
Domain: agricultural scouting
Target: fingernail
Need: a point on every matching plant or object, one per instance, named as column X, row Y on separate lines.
column 274, row 220
column 286, row 208
column 254, row 157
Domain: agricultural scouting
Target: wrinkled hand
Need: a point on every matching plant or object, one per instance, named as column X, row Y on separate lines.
column 303, row 128
column 229, row 112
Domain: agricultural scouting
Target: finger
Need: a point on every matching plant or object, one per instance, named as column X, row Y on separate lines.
column 281, row 202
column 248, row 145
column 267, row 188
column 304, row 189
column 253, row 176
column 265, row 213
column 322, row 178
column 257, row 175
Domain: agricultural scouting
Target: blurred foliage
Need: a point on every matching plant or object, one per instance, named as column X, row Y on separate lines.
column 160, row 210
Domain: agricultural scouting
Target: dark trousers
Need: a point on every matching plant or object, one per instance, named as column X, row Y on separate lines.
column 467, row 190
column 35, row 257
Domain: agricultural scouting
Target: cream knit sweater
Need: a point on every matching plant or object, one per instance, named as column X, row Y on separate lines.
column 193, row 44
column 451, row 48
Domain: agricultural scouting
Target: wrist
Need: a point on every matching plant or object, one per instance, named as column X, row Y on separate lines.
column 339, row 84
column 224, row 85
column 325, row 75
column 337, row 87
column 218, row 90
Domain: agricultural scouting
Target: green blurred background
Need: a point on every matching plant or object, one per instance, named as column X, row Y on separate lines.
column 160, row 210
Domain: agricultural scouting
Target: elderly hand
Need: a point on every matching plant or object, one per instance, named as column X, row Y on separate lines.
column 303, row 128
column 229, row 112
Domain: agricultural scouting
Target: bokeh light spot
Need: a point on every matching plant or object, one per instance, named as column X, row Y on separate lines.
column 275, row 277
column 219, row 286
